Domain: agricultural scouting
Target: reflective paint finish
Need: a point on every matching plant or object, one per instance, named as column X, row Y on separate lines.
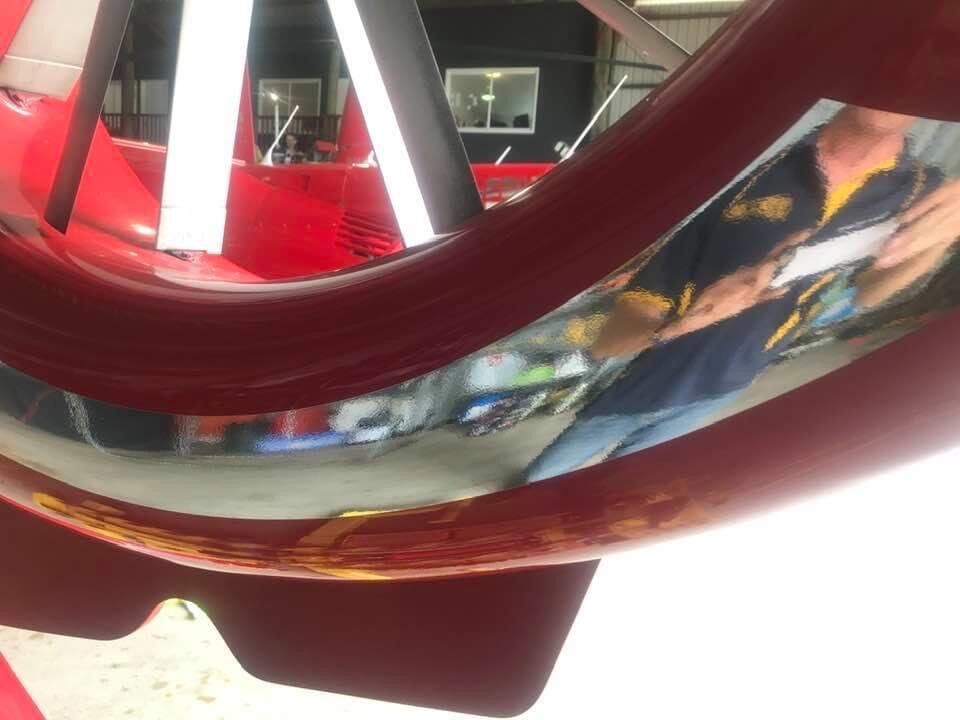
column 583, row 384
column 256, row 352
column 822, row 432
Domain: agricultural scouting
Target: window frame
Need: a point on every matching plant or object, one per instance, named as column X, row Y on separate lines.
column 452, row 72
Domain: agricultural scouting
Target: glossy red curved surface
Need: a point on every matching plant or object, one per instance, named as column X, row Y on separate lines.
column 829, row 431
column 277, row 349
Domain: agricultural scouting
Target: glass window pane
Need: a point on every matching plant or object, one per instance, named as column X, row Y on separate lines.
column 493, row 99
column 155, row 97
column 306, row 94
column 515, row 100
column 466, row 91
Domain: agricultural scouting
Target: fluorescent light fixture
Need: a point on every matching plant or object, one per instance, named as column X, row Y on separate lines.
column 273, row 96
column 488, row 98
column 203, row 124
column 378, row 113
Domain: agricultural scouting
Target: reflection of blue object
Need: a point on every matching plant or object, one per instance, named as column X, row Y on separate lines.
column 840, row 308
column 480, row 406
column 281, row 443
column 588, row 437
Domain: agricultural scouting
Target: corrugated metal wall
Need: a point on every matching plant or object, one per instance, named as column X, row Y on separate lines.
column 691, row 25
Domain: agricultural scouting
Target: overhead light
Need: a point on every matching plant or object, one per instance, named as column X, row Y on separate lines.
column 488, row 98
column 273, row 96
column 494, row 75
column 392, row 155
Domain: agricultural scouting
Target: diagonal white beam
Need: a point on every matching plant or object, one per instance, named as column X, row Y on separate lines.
column 417, row 143
column 203, row 124
column 394, row 161
column 643, row 36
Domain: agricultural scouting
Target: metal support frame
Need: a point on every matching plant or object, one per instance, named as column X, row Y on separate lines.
column 417, row 144
column 653, row 44
column 108, row 31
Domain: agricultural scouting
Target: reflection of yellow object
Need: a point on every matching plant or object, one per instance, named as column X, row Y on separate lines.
column 685, row 299
column 775, row 208
column 583, row 332
column 107, row 522
column 661, row 302
column 809, row 292
column 841, row 194
column 348, row 574
column 365, row 513
column 783, row 330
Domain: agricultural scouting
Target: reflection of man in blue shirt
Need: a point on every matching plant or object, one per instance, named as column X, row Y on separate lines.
column 703, row 314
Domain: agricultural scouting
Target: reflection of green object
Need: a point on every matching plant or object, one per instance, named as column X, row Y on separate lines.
column 535, row 375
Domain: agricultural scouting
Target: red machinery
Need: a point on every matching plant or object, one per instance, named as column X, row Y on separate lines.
column 441, row 596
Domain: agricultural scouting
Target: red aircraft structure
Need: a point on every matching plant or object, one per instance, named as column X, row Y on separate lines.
column 314, row 301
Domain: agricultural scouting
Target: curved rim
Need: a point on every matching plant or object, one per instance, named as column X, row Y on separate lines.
column 134, row 339
column 832, row 430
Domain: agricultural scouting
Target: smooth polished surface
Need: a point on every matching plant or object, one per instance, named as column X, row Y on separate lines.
column 777, row 281
column 815, row 434
column 258, row 351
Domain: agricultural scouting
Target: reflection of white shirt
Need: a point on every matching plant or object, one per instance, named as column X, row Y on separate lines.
column 844, row 249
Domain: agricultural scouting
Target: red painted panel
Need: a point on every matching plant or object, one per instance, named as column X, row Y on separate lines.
column 12, row 13
column 483, row 645
column 278, row 350
column 246, row 142
column 824, row 433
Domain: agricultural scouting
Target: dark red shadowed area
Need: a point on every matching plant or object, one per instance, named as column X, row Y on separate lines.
column 483, row 645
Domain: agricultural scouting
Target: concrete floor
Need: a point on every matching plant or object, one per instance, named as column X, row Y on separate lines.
column 173, row 668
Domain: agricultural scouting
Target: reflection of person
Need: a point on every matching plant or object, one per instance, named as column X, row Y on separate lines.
column 291, row 154
column 703, row 314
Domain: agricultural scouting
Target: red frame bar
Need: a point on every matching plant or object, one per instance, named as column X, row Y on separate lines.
column 15, row 701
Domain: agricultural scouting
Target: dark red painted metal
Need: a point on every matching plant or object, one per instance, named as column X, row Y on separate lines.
column 479, row 645
column 897, row 404
column 833, row 429
column 277, row 349
column 510, row 266
column 15, row 702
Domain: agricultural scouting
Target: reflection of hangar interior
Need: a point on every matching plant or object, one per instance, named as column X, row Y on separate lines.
column 374, row 303
column 556, row 62
column 311, row 187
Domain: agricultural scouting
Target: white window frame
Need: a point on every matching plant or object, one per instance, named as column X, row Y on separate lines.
column 472, row 71
column 261, row 96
